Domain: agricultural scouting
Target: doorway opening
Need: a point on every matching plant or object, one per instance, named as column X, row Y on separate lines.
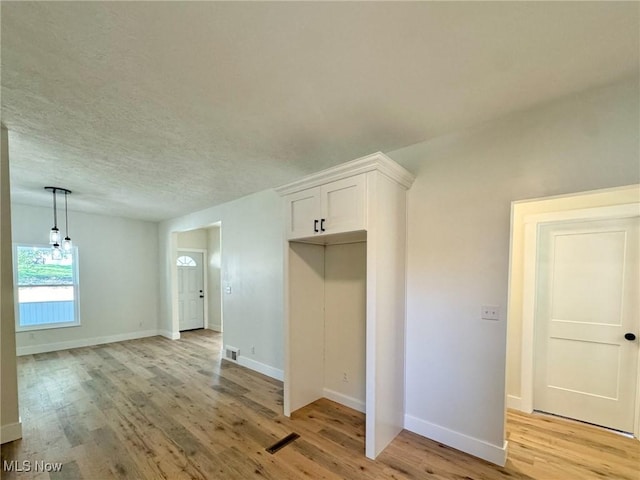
column 197, row 290
column 541, row 349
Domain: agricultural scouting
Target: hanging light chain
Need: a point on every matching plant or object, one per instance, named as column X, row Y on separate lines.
column 54, row 235
column 66, row 244
column 55, row 209
column 66, row 213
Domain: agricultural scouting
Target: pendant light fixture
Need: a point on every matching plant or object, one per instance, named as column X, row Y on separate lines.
column 66, row 243
column 54, row 233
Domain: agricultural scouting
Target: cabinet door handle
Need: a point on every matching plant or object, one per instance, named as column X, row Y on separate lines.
column 322, row 224
column 315, row 226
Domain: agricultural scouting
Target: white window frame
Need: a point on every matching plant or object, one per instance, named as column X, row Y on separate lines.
column 76, row 292
column 186, row 263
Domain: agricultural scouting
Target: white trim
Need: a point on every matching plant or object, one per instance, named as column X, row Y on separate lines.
column 345, row 400
column 472, row 446
column 377, row 161
column 46, row 326
column 173, row 285
column 215, row 327
column 514, row 402
column 10, row 432
column 221, row 276
column 626, row 210
column 286, row 388
column 636, row 432
column 85, row 342
column 371, row 450
column 169, row 334
column 263, row 368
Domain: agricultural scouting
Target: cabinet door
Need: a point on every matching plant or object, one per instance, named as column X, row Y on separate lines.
column 343, row 205
column 303, row 209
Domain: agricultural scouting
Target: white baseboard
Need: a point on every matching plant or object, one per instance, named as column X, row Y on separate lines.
column 170, row 335
column 215, row 327
column 84, row 342
column 514, row 402
column 263, row 368
column 345, row 400
column 460, row 441
column 11, row 432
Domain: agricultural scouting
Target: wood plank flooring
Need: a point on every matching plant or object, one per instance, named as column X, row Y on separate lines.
column 161, row 409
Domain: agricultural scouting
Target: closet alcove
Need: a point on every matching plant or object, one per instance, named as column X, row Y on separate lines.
column 344, row 253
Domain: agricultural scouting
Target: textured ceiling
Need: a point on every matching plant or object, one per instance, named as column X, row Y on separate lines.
column 155, row 109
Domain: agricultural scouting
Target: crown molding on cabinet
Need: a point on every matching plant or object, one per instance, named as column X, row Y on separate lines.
column 376, row 161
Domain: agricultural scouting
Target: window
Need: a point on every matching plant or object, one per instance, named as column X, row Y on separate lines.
column 185, row 261
column 47, row 288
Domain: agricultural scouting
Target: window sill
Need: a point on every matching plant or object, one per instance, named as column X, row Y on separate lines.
column 46, row 326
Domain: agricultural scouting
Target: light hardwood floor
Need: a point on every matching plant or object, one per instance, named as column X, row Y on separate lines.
column 161, row 409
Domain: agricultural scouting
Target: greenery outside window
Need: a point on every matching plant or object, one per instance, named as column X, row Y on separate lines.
column 47, row 289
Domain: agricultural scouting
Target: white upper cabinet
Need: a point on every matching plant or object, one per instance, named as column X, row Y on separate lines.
column 336, row 207
column 303, row 212
column 343, row 205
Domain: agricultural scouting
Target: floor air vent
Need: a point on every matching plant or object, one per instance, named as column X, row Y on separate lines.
column 232, row 353
column 282, row 443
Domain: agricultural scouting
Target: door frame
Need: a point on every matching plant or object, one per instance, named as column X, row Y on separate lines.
column 531, row 224
column 205, row 285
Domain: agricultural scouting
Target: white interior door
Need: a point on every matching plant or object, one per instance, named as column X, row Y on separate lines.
column 190, row 290
column 587, row 301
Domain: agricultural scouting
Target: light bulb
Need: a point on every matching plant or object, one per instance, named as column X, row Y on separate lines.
column 67, row 245
column 54, row 236
column 56, row 252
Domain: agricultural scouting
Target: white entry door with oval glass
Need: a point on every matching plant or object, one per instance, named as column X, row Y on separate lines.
column 587, row 321
column 190, row 290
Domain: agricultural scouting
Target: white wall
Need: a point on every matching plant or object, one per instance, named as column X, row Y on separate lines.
column 252, row 265
column 10, row 426
column 197, row 239
column 118, row 271
column 345, row 305
column 458, row 250
column 458, row 244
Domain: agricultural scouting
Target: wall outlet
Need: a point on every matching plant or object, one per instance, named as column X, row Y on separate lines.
column 490, row 312
column 345, row 377
column 227, row 289
column 253, row 350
